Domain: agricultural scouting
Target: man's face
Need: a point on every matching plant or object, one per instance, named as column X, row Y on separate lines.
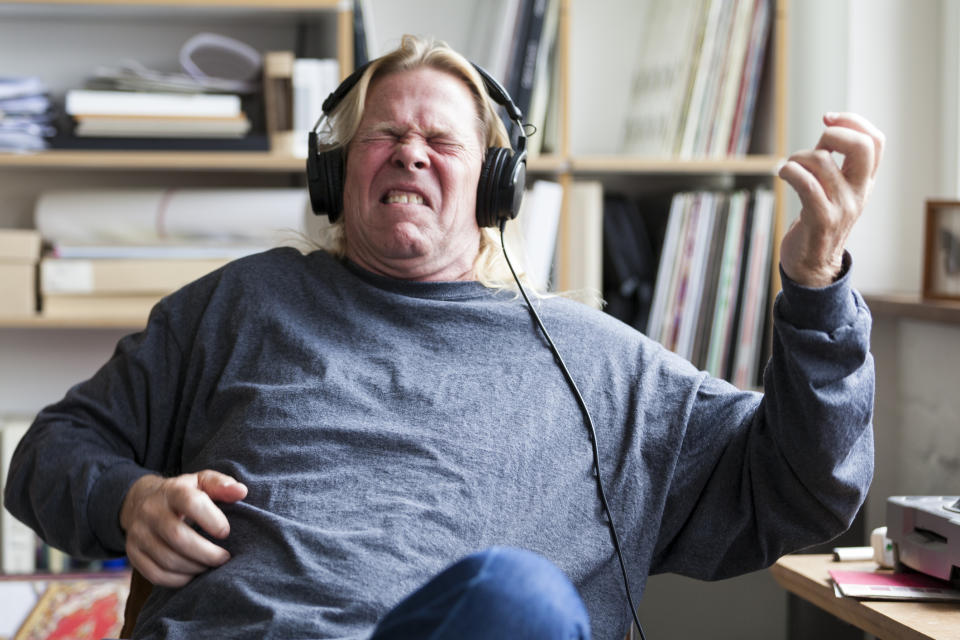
column 411, row 178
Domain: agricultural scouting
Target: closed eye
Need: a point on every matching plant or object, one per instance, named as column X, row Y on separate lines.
column 444, row 144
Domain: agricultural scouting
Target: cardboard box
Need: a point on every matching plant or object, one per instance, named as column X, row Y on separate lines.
column 18, row 289
column 19, row 245
column 19, row 254
column 121, row 277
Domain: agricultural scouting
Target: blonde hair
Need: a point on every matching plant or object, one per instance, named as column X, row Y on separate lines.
column 490, row 267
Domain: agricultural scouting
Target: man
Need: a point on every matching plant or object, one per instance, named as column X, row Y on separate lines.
column 296, row 443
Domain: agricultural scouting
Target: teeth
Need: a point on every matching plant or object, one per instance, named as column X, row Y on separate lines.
column 402, row 197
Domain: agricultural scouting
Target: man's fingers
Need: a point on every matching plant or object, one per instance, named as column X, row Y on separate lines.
column 157, row 561
column 185, row 541
column 167, row 558
column 196, row 506
column 805, row 183
column 859, row 161
column 175, row 545
column 861, row 124
column 154, row 573
column 221, row 487
column 194, row 500
column 823, row 171
column 159, row 514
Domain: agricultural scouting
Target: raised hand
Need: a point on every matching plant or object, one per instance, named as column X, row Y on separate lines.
column 832, row 196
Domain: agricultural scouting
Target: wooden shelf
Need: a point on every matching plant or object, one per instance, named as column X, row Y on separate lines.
column 912, row 306
column 42, row 322
column 286, row 163
column 260, row 5
column 765, row 165
column 548, row 164
column 155, row 160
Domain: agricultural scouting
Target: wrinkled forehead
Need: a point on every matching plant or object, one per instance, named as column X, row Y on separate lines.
column 431, row 99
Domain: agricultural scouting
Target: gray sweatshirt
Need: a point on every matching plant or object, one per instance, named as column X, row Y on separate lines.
column 387, row 428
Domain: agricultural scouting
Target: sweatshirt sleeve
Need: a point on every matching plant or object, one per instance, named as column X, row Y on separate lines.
column 72, row 469
column 799, row 458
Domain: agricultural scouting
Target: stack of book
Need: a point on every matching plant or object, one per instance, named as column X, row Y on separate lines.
column 130, row 106
column 25, row 114
column 709, row 303
column 115, row 253
column 694, row 88
column 139, row 117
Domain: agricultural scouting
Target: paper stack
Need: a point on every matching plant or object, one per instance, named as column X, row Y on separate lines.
column 889, row 585
column 132, row 114
column 130, row 106
column 25, row 114
column 116, row 252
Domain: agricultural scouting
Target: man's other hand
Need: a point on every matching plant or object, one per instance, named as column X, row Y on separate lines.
column 832, row 196
column 157, row 515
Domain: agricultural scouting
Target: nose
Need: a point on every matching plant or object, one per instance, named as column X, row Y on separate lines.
column 411, row 153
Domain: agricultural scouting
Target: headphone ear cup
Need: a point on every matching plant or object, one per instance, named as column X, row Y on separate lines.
column 514, row 183
column 333, row 163
column 325, row 183
column 489, row 185
column 500, row 189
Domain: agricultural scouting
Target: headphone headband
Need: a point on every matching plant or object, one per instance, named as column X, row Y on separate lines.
column 495, row 90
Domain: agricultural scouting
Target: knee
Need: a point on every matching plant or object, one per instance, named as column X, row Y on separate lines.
column 513, row 580
column 498, row 593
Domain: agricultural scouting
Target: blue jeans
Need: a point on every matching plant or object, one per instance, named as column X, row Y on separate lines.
column 497, row 593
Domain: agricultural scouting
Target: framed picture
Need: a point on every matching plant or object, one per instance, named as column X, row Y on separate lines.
column 941, row 251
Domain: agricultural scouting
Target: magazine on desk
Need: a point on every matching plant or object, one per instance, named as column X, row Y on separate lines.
column 888, row 585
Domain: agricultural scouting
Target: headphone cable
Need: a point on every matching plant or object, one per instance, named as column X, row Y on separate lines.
column 590, row 428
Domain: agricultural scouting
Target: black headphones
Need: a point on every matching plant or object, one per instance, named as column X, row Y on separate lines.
column 502, row 177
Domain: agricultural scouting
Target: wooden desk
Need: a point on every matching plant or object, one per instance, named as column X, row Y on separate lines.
column 807, row 577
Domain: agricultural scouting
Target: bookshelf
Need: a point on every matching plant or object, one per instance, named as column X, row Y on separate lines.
column 639, row 176
column 107, row 32
column 567, row 165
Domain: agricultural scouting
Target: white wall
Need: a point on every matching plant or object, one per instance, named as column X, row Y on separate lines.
column 894, row 79
column 37, row 367
column 917, row 412
column 447, row 21
column 880, row 58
